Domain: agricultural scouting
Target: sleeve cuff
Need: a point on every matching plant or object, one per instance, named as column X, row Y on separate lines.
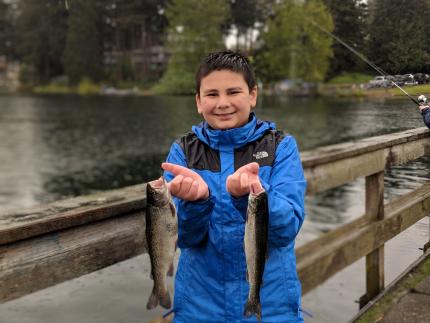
column 196, row 208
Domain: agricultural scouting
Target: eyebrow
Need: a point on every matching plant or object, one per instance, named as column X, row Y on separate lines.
column 238, row 88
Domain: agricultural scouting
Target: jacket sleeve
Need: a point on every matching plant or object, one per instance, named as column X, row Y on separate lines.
column 426, row 116
column 286, row 194
column 193, row 217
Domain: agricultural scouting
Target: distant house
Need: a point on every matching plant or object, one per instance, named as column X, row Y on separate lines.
column 144, row 50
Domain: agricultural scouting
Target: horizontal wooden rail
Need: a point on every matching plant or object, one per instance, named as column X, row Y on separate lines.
column 334, row 165
column 56, row 242
column 39, row 262
column 320, row 259
column 72, row 212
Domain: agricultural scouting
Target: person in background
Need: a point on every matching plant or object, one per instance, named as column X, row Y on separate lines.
column 425, row 112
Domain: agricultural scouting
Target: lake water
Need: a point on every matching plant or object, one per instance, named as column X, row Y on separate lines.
column 57, row 147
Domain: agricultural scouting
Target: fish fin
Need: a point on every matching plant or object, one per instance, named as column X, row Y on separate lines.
column 253, row 308
column 172, row 209
column 164, row 299
column 171, row 270
column 152, row 301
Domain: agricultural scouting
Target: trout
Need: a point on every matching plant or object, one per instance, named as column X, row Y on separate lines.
column 256, row 244
column 161, row 237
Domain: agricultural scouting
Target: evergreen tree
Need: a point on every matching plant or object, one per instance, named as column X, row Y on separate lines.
column 349, row 18
column 84, row 49
column 293, row 46
column 190, row 37
column 41, row 31
column 399, row 35
column 4, row 28
column 249, row 17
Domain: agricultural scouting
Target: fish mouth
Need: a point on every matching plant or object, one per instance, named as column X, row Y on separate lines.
column 256, row 189
column 157, row 184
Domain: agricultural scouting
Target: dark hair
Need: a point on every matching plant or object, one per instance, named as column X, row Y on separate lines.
column 226, row 60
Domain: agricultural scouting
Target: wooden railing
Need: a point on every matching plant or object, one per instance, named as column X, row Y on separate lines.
column 49, row 244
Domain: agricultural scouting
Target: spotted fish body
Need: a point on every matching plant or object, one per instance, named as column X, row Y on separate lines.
column 256, row 249
column 161, row 237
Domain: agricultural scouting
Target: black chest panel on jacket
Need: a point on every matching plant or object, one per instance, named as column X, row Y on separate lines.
column 200, row 156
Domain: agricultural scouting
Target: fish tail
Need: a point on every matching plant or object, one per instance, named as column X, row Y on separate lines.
column 152, row 301
column 162, row 298
column 253, row 307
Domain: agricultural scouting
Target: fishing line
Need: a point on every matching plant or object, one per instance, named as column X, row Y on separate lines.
column 422, row 100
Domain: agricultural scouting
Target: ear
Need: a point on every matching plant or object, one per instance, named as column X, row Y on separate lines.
column 253, row 96
column 198, row 104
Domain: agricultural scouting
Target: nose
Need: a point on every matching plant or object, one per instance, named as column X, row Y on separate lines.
column 223, row 102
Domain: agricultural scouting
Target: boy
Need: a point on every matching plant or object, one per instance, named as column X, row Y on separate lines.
column 210, row 172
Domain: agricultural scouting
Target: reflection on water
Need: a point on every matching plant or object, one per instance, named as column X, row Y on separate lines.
column 57, row 147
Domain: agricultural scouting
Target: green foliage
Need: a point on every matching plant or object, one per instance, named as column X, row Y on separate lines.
column 41, row 29
column 5, row 28
column 84, row 50
column 190, row 37
column 294, row 47
column 351, row 78
column 175, row 82
column 399, row 35
column 52, row 88
column 350, row 25
column 246, row 17
column 87, row 87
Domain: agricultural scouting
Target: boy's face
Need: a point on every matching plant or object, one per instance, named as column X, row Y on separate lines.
column 225, row 100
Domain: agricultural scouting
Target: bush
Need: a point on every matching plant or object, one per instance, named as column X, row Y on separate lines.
column 351, row 78
column 87, row 87
column 175, row 83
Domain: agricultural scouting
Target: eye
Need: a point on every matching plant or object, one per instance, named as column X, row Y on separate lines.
column 212, row 94
column 233, row 92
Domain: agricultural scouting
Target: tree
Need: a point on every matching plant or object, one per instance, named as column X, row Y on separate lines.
column 5, row 28
column 190, row 37
column 399, row 35
column 293, row 46
column 248, row 17
column 349, row 18
column 41, row 30
column 84, row 49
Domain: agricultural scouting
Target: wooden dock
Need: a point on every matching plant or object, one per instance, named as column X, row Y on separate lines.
column 52, row 243
column 406, row 299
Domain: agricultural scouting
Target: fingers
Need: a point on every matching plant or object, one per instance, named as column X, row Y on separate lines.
column 175, row 185
column 251, row 168
column 244, row 183
column 188, row 189
column 179, row 170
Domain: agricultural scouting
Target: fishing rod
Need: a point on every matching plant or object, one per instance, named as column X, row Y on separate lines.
column 422, row 100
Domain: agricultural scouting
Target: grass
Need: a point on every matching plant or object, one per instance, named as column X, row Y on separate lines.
column 377, row 312
column 351, row 78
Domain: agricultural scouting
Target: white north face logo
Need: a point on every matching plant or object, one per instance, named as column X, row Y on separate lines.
column 261, row 154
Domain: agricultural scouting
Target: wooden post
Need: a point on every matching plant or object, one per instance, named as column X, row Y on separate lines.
column 375, row 259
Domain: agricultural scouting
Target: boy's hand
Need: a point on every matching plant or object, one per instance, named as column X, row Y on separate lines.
column 186, row 185
column 240, row 183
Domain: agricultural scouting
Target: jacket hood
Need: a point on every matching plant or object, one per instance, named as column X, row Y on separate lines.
column 235, row 137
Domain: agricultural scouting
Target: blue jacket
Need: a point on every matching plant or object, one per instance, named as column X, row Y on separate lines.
column 426, row 116
column 211, row 283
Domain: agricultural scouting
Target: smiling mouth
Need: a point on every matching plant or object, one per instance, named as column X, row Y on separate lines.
column 224, row 114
